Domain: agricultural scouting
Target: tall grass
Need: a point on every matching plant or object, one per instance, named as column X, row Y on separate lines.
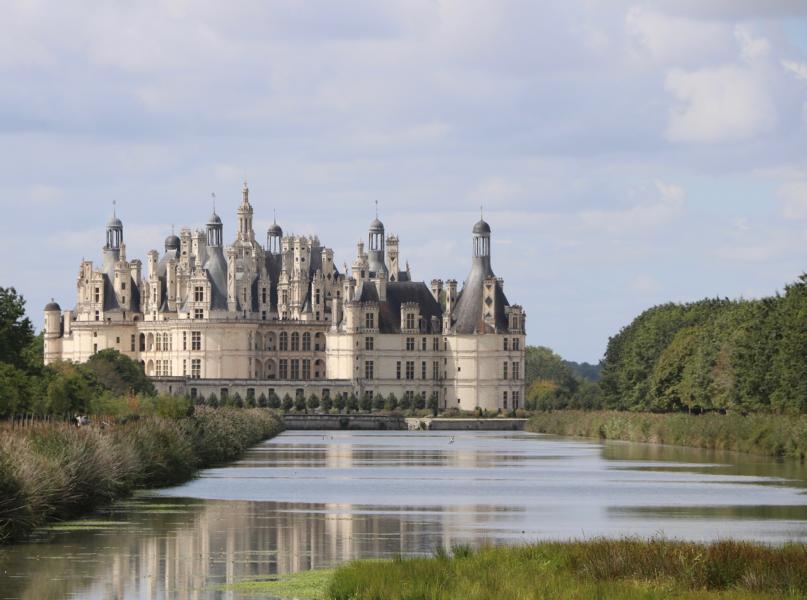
column 600, row 568
column 770, row 435
column 55, row 471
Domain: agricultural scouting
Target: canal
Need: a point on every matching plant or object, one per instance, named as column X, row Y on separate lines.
column 308, row 500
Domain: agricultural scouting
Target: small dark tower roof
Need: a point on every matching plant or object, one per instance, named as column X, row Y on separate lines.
column 274, row 229
column 376, row 226
column 214, row 219
column 114, row 222
column 53, row 306
column 172, row 243
column 481, row 227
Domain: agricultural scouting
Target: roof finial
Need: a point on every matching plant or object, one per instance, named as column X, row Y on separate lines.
column 213, row 195
column 376, row 209
column 481, row 213
column 114, row 203
column 274, row 216
column 172, row 229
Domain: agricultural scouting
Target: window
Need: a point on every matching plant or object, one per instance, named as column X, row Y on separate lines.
column 263, row 315
column 198, row 313
column 423, row 369
column 283, row 369
column 196, row 368
column 423, row 344
column 123, row 300
column 369, row 320
column 295, row 368
column 295, row 342
column 436, row 370
column 516, row 344
column 368, row 369
column 398, row 370
column 283, row 341
column 158, row 342
column 306, row 368
column 409, row 395
column 515, row 370
column 410, row 321
column 97, row 316
column 94, row 348
column 184, row 367
column 516, row 398
column 134, row 338
column 317, row 297
column 263, row 295
column 410, row 343
column 506, row 345
column 306, row 342
column 97, row 294
column 123, row 285
column 410, row 369
column 285, row 296
column 504, row 399
column 504, row 370
column 199, row 294
column 436, row 344
column 369, row 343
column 184, row 340
column 196, row 340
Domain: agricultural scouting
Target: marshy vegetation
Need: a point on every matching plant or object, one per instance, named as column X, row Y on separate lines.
column 54, row 471
column 769, row 435
column 599, row 568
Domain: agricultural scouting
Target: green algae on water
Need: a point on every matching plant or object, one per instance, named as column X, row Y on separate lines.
column 304, row 585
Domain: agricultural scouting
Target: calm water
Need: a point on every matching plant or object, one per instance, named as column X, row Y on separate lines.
column 311, row 499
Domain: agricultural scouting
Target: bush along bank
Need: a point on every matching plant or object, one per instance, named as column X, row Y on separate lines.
column 53, row 471
column 769, row 435
column 599, row 568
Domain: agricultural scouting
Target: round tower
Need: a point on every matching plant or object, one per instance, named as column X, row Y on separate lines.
column 53, row 320
column 114, row 233
column 274, row 236
column 214, row 231
column 481, row 239
column 375, row 247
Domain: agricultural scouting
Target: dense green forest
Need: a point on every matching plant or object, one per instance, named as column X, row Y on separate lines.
column 713, row 355
column 554, row 383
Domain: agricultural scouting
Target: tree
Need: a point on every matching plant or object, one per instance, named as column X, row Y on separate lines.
column 68, row 392
column 213, row 400
column 274, row 400
column 238, row 402
column 13, row 391
column 288, row 403
column 420, row 401
column 327, row 403
column 378, row 402
column 299, row 403
column 262, row 401
column 405, row 404
column 339, row 402
column 392, row 402
column 434, row 403
column 353, row 403
column 16, row 330
column 366, row 403
column 251, row 402
column 313, row 402
column 118, row 373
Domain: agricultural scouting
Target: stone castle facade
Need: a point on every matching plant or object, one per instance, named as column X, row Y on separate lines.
column 252, row 319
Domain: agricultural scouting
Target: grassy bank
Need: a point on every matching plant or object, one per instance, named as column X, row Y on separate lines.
column 600, row 568
column 770, row 435
column 56, row 471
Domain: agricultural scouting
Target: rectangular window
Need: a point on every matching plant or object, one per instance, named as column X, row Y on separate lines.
column 123, row 285
column 368, row 343
column 133, row 343
column 369, row 320
column 516, row 398
column 196, row 368
column 516, row 344
column 94, row 348
column 368, row 369
column 504, row 369
column 198, row 313
column 97, row 294
column 196, row 340
column 263, row 315
column 436, row 370
column 283, row 368
column 409, row 395
column 410, row 369
column 263, row 295
column 295, row 368
column 515, row 370
column 436, row 344
column 423, row 369
column 410, row 343
column 184, row 367
column 398, row 370
column 97, row 316
column 423, row 345
column 410, row 321
column 506, row 345
column 199, row 294
column 306, row 368
column 184, row 340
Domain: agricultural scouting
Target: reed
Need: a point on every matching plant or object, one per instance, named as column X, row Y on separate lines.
column 52, row 471
column 599, row 568
column 769, row 435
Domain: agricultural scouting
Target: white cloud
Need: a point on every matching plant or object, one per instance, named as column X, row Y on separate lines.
column 666, row 207
column 794, row 200
column 751, row 48
column 797, row 69
column 719, row 104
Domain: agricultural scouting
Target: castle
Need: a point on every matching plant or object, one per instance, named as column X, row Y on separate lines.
column 208, row 318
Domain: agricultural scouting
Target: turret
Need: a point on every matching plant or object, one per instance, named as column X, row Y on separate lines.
column 392, row 257
column 245, row 231
column 214, row 231
column 53, row 318
column 274, row 237
column 375, row 254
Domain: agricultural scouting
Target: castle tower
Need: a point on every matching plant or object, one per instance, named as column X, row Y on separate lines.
column 375, row 247
column 114, row 233
column 392, row 257
column 274, row 237
column 245, row 231
column 214, row 231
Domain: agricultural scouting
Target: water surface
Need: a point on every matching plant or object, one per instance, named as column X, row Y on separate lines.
column 315, row 499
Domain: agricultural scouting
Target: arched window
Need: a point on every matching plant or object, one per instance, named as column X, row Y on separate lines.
column 284, row 341
column 306, row 342
column 295, row 342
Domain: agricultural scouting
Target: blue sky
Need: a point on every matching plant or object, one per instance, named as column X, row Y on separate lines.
column 626, row 153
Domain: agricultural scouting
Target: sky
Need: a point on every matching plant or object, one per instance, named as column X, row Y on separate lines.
column 625, row 153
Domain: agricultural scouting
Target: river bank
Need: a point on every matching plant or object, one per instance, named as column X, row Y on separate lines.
column 768, row 435
column 599, row 568
column 55, row 471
